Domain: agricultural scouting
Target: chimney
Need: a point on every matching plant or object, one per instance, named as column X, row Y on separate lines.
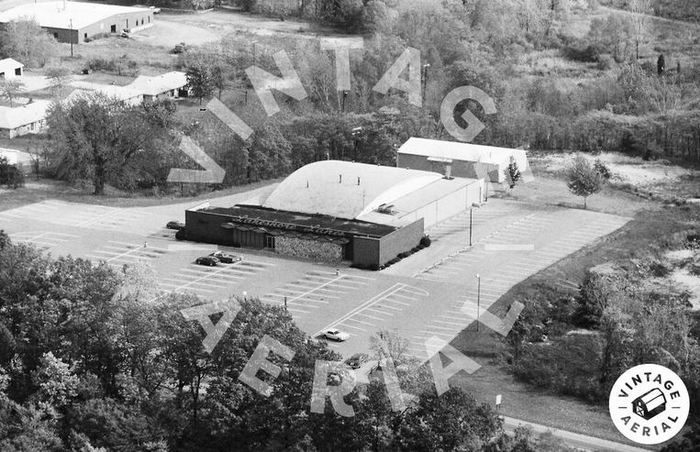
column 448, row 171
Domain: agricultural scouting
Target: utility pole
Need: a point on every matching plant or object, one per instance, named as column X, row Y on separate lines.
column 345, row 95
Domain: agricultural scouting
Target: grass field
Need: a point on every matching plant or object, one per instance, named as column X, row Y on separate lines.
column 651, row 223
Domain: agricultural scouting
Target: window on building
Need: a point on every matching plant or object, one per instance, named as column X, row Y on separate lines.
column 55, row 35
column 112, row 28
column 2, row 76
column 84, row 35
column 18, row 71
column 270, row 242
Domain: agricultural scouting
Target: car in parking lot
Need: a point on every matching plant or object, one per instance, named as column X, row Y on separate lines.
column 336, row 335
column 207, row 260
column 177, row 225
column 225, row 258
column 357, row 360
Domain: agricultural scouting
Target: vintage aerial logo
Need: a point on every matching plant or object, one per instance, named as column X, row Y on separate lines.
column 649, row 404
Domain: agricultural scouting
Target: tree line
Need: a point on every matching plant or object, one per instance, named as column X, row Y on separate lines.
column 92, row 358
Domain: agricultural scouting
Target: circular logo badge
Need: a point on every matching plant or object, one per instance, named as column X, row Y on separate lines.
column 649, row 404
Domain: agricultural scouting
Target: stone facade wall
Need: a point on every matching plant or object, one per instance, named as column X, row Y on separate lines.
column 309, row 249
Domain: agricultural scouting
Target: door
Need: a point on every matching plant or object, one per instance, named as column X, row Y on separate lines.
column 270, row 242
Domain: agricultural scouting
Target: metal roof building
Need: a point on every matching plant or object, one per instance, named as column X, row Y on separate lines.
column 460, row 159
column 77, row 22
column 337, row 210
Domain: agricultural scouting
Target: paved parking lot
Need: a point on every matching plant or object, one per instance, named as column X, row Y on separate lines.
column 206, row 281
column 432, row 293
column 315, row 290
column 118, row 254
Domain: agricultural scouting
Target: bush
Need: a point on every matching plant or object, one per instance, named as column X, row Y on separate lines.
column 425, row 241
column 588, row 54
column 602, row 169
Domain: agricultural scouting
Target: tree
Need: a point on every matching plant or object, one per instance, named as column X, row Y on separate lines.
column 641, row 18
column 451, row 421
column 583, row 179
column 199, row 79
column 105, row 140
column 512, row 173
column 11, row 89
column 58, row 77
column 26, row 41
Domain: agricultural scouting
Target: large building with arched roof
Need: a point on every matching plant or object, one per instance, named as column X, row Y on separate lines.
column 340, row 211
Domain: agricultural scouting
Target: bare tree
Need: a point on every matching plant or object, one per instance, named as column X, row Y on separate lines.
column 11, row 90
column 641, row 21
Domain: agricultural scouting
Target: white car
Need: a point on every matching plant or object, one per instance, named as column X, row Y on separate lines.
column 336, row 335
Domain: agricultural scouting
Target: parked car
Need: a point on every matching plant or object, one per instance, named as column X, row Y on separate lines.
column 225, row 257
column 155, row 10
column 177, row 225
column 336, row 335
column 125, row 34
column 207, row 260
column 357, row 360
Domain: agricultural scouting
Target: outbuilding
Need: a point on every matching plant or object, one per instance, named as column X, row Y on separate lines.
column 462, row 159
column 76, row 22
column 10, row 69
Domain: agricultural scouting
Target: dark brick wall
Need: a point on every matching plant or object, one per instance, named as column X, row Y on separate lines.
column 401, row 240
column 365, row 251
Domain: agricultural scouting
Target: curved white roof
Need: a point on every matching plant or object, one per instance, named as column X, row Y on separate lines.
column 330, row 187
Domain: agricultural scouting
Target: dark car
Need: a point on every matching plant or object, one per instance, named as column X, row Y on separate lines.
column 357, row 360
column 177, row 225
column 225, row 257
column 207, row 260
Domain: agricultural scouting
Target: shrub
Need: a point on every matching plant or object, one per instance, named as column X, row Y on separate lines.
column 425, row 241
column 602, row 169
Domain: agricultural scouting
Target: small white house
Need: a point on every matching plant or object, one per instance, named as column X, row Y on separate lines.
column 29, row 118
column 171, row 84
column 122, row 93
column 10, row 69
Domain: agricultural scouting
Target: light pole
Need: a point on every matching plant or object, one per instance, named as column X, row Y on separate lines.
column 478, row 300
column 471, row 224
column 71, row 38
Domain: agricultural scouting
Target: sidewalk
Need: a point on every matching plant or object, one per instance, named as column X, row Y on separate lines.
column 573, row 439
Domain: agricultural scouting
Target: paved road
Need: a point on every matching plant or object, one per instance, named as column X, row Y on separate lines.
column 577, row 440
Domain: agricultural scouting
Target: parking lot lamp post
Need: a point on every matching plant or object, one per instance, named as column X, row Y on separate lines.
column 471, row 224
column 71, row 37
column 478, row 300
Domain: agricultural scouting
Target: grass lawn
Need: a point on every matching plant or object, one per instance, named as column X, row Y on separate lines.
column 43, row 189
column 651, row 223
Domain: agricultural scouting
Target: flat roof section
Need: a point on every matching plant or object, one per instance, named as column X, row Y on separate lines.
column 303, row 222
column 55, row 15
column 439, row 150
